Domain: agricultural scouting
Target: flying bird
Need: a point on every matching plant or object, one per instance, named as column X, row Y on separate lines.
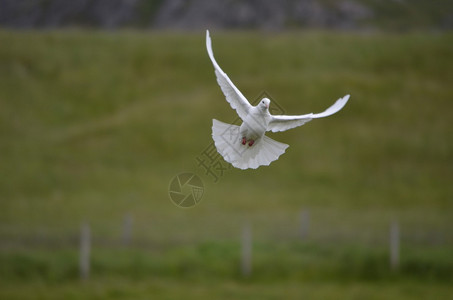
column 247, row 146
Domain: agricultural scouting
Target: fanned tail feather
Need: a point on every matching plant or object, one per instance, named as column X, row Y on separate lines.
column 228, row 143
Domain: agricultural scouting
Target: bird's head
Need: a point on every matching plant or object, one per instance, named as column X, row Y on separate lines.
column 264, row 103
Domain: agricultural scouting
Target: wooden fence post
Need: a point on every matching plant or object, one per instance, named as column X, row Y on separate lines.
column 246, row 257
column 304, row 223
column 85, row 245
column 127, row 229
column 394, row 245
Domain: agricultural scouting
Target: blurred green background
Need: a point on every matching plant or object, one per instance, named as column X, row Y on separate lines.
column 95, row 124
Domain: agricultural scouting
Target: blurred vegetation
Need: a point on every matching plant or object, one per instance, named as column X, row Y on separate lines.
column 94, row 125
column 410, row 15
column 295, row 260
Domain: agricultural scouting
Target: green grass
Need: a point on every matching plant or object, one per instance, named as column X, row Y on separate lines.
column 94, row 125
column 292, row 269
column 119, row 288
column 295, row 260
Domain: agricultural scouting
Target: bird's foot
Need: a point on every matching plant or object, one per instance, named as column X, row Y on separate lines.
column 251, row 142
column 244, row 141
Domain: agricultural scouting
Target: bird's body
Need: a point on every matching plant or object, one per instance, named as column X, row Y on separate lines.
column 255, row 123
column 247, row 146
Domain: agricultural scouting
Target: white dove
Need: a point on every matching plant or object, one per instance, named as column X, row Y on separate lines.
column 247, row 146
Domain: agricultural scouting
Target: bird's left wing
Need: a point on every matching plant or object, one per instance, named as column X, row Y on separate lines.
column 231, row 92
column 282, row 123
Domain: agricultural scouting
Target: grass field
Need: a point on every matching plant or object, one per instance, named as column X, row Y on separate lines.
column 94, row 125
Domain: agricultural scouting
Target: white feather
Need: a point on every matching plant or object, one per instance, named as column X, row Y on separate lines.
column 231, row 92
column 228, row 143
column 282, row 123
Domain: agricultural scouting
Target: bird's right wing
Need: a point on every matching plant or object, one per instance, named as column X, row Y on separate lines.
column 231, row 92
column 282, row 123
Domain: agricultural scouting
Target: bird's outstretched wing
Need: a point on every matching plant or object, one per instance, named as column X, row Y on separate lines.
column 282, row 123
column 232, row 94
